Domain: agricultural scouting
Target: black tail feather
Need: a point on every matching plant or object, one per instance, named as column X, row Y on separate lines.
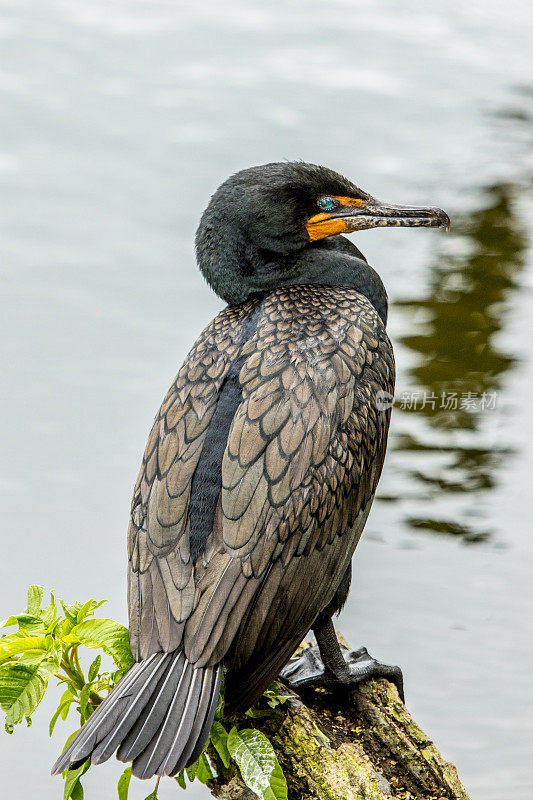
column 209, row 717
column 161, row 742
column 102, row 720
column 141, row 693
column 180, row 741
column 160, row 714
column 153, row 715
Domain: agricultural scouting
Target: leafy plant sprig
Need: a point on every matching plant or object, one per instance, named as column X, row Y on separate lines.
column 46, row 645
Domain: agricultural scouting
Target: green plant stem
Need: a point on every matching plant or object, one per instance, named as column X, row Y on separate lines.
column 75, row 661
column 77, row 679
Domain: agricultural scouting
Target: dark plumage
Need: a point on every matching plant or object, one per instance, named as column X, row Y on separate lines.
column 260, row 469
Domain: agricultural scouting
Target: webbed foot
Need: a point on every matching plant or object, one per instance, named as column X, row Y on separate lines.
column 307, row 669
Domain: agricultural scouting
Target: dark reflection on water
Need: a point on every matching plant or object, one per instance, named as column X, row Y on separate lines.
column 460, row 370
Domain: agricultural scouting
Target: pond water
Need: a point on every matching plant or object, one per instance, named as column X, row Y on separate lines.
column 117, row 122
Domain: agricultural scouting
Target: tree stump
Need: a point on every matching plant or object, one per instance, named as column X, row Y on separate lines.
column 365, row 746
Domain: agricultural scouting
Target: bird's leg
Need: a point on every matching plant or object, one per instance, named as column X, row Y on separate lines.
column 333, row 666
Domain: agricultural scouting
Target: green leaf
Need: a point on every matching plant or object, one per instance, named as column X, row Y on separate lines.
column 204, row 772
column 152, row 796
column 32, row 658
column 49, row 614
column 94, row 668
column 191, row 771
column 12, row 637
column 62, row 709
column 35, row 598
column 77, row 792
column 180, row 778
column 257, row 713
column 257, row 763
column 219, row 713
column 72, row 777
column 22, row 689
column 23, row 621
column 111, row 636
column 66, row 708
column 21, row 644
column 71, row 611
column 124, row 784
column 78, row 612
column 219, row 739
column 276, row 695
column 84, row 701
column 67, row 698
column 88, row 609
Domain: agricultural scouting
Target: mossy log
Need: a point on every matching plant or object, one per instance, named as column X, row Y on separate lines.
column 363, row 747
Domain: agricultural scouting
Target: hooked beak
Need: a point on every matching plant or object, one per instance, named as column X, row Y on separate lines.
column 377, row 215
column 359, row 215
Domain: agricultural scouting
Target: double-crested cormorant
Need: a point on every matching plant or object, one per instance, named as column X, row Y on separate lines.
column 260, row 469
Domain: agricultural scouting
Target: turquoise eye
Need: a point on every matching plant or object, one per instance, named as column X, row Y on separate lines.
column 327, row 203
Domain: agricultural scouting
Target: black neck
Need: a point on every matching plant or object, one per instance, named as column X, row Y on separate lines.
column 337, row 262
column 237, row 270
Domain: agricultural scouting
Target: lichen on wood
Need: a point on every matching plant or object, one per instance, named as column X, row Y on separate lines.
column 361, row 746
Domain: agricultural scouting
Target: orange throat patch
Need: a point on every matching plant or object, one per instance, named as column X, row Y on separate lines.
column 324, row 224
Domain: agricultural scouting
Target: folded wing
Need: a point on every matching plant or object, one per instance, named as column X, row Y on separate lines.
column 303, row 457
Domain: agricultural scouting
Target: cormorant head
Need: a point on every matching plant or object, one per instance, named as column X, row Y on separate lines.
column 261, row 217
